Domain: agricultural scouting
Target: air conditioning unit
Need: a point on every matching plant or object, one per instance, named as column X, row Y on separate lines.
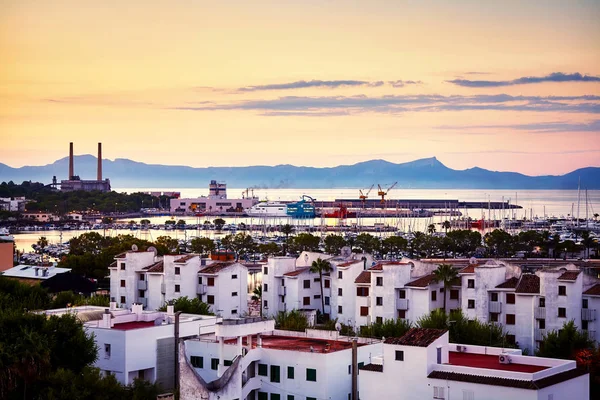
column 461, row 349
column 504, row 359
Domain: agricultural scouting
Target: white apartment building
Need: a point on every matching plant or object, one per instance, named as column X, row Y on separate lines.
column 423, row 365
column 249, row 359
column 224, row 286
column 133, row 343
column 590, row 303
column 12, row 203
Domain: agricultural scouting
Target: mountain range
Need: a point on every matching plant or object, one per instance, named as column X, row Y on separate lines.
column 423, row 173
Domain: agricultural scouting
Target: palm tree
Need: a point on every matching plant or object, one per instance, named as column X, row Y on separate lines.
column 287, row 230
column 445, row 274
column 321, row 267
column 42, row 244
column 257, row 296
column 431, row 229
column 587, row 241
column 446, row 225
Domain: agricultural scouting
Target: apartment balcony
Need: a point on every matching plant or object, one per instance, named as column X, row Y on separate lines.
column 143, row 301
column 539, row 334
column 588, row 314
column 539, row 312
column 402, row 304
column 142, row 285
column 163, row 288
column 495, row 307
column 281, row 290
column 201, row 289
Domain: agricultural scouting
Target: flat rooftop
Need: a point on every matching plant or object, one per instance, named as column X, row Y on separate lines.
column 489, row 362
column 127, row 326
column 306, row 345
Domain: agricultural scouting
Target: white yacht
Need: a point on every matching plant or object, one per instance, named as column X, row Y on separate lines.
column 268, row 209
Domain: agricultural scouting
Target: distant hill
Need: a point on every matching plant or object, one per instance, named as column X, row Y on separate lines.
column 423, row 173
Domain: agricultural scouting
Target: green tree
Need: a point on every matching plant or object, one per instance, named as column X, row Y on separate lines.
column 168, row 242
column 202, row 245
column 321, row 267
column 305, row 242
column 431, row 229
column 219, row 223
column 269, row 249
column 334, row 244
column 189, row 306
column 291, row 321
column 257, row 296
column 446, row 225
column 587, row 242
column 287, row 230
column 243, row 244
column 181, row 222
column 499, row 243
column 367, row 243
column 145, row 222
column 394, row 244
column 446, row 274
column 388, row 328
column 564, row 343
column 88, row 243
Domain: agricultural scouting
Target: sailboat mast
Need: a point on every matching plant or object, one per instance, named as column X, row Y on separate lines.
column 578, row 199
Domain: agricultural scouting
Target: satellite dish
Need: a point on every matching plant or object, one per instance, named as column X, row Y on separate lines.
column 338, row 326
column 152, row 249
column 346, row 251
column 158, row 321
column 134, row 247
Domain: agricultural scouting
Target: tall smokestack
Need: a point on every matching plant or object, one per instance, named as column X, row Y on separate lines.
column 71, row 169
column 99, row 161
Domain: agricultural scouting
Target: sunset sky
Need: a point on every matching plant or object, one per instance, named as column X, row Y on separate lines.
column 503, row 85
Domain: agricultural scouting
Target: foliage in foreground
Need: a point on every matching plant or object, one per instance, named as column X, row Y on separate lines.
column 187, row 306
column 291, row 321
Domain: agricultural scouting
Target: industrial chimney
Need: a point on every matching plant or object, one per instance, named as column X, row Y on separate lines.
column 99, row 161
column 71, row 169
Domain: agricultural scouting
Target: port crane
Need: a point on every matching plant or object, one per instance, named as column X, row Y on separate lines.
column 382, row 194
column 363, row 197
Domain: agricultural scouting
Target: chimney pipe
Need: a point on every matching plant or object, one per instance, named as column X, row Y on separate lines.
column 71, row 169
column 99, row 161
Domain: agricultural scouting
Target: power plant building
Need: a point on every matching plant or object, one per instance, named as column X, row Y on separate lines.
column 74, row 183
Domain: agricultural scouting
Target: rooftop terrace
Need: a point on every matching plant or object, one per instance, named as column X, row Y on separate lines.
column 490, row 362
column 302, row 344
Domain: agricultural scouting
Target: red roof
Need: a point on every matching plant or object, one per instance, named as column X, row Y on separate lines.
column 469, row 269
column 489, row 362
column 157, row 267
column 307, row 345
column 529, row 283
column 349, row 263
column 185, row 259
column 593, row 291
column 297, row 272
column 127, row 326
column 419, row 337
column 423, row 281
column 569, row 276
column 364, row 277
column 216, row 267
column 509, row 284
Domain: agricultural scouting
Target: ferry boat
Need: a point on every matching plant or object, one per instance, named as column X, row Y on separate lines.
column 268, row 209
column 301, row 209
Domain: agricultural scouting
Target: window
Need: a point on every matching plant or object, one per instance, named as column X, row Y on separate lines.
column 493, row 317
column 199, row 280
column 275, row 374
column 317, row 296
column 122, row 283
column 438, row 392
column 306, row 301
column 107, row 350
column 326, row 300
column 142, row 277
column 379, row 281
column 339, row 291
column 402, row 314
column 275, row 396
column 584, row 303
column 122, row 266
column 266, row 287
column 234, row 311
column 307, row 284
column 214, row 363
column 317, row 279
column 311, row 374
column 510, row 319
column 471, row 303
column 197, row 362
column 362, row 291
column 339, row 309
column 541, row 323
column 123, row 300
column 290, row 372
column 562, row 290
column 263, row 369
column 210, row 281
column 177, row 287
column 263, row 396
column 542, row 302
column 327, row 284
column 433, row 295
column 233, row 294
column 494, row 296
column 177, row 271
column 234, row 276
column 584, row 325
column 511, row 339
column 471, row 283
column 340, row 274
column 379, row 320
column 140, row 293
column 510, row 298
column 266, row 270
column 210, row 299
column 399, row 355
column 453, row 294
column 265, row 304
column 290, row 397
column 402, row 294
column 562, row 312
column 364, row 311
column 379, row 301
column 311, row 398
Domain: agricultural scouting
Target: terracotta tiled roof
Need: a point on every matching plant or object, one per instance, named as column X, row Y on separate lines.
column 372, row 367
column 113, row 265
column 216, row 267
column 469, row 269
column 364, row 277
column 349, row 263
column 593, row 291
column 423, row 281
column 297, row 272
column 376, row 267
column 419, row 337
column 506, row 382
column 185, row 259
column 157, row 267
column 569, row 276
column 529, row 283
column 121, row 255
column 509, row 284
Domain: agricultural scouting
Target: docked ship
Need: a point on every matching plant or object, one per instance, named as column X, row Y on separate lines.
column 299, row 209
column 341, row 213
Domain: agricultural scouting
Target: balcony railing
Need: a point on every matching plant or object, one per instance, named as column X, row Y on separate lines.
column 539, row 334
column 143, row 301
column 495, row 307
column 201, row 289
column 402, row 304
column 588, row 314
column 539, row 312
column 142, row 285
